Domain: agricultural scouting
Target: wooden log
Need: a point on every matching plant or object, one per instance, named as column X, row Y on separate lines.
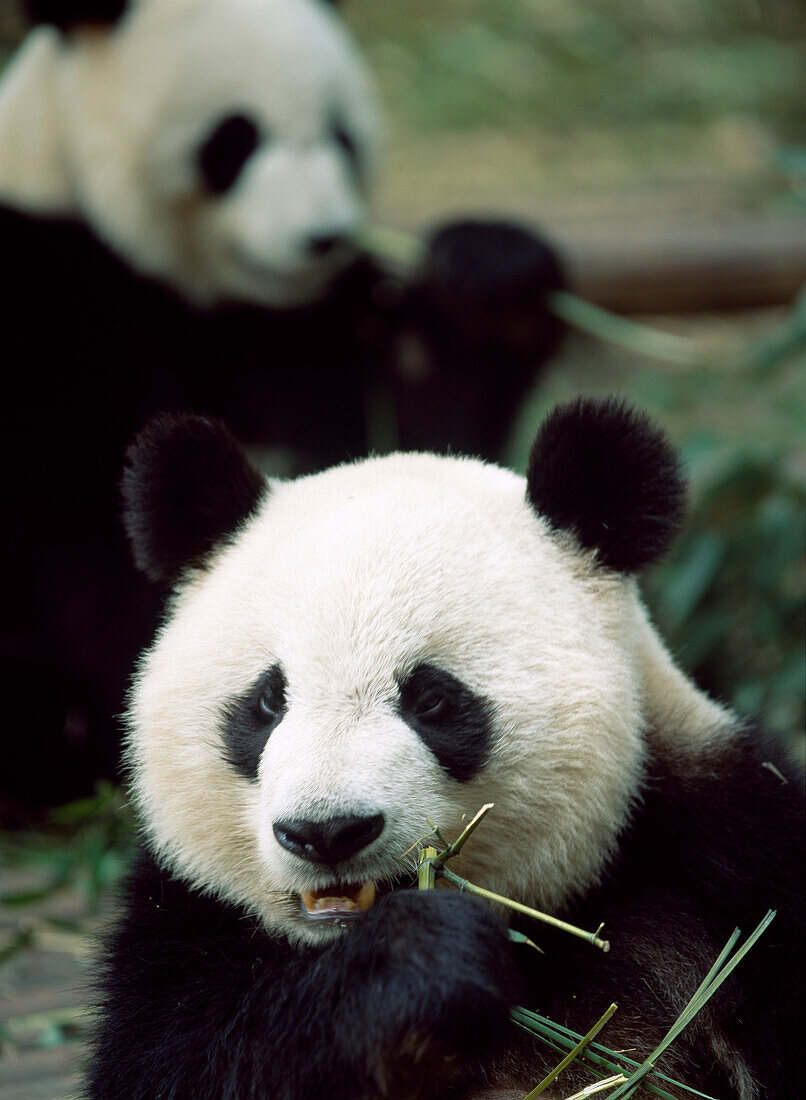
column 740, row 264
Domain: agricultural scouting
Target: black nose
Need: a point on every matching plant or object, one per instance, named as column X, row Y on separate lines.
column 328, row 841
column 321, row 244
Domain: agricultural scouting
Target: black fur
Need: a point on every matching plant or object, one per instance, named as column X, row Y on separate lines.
column 92, row 350
column 187, row 487
column 225, row 151
column 603, row 471
column 454, row 722
column 198, row 1000
column 201, row 1002
column 66, row 14
column 476, row 305
column 249, row 720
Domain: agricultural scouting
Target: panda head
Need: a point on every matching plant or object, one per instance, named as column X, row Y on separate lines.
column 352, row 654
column 223, row 148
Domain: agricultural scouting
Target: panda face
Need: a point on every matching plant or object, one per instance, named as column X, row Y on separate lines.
column 384, row 644
column 225, row 149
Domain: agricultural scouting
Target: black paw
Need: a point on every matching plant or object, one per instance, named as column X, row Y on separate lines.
column 444, row 973
column 486, row 282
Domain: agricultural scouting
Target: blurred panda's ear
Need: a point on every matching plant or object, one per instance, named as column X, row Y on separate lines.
column 187, row 487
column 66, row 14
column 605, row 472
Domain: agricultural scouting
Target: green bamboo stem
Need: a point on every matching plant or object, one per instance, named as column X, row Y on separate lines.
column 572, row 1054
column 555, row 922
column 614, row 329
column 458, row 844
column 562, row 1038
column 757, row 358
column 391, row 244
column 706, row 989
column 408, row 250
column 427, row 870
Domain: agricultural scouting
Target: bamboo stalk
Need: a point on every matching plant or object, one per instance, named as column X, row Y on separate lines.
column 458, row 844
column 613, row 329
column 427, row 870
column 706, row 989
column 598, row 1086
column 572, row 1054
column 406, row 249
column 595, row 1055
column 546, row 918
column 757, row 358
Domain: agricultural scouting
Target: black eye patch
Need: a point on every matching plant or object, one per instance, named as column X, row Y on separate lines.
column 347, row 143
column 223, row 154
column 250, row 718
column 453, row 722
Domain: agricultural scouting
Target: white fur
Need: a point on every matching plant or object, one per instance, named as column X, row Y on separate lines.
column 350, row 578
column 105, row 126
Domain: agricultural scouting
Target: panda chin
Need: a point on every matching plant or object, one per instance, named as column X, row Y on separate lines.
column 337, row 902
column 277, row 287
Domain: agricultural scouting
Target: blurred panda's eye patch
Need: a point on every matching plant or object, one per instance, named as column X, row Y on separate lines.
column 250, row 718
column 347, row 143
column 453, row 722
column 225, row 151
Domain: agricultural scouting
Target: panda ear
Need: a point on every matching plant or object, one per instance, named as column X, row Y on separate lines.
column 66, row 14
column 187, row 486
column 603, row 471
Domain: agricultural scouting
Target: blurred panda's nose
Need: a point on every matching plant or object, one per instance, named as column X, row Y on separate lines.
column 331, row 841
column 321, row 244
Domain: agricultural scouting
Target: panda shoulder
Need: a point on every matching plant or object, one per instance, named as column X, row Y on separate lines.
column 729, row 818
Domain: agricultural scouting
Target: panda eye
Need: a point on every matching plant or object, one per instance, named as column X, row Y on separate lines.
column 225, row 151
column 429, row 696
column 430, row 705
column 453, row 721
column 346, row 142
column 269, row 705
column 271, row 700
column 248, row 720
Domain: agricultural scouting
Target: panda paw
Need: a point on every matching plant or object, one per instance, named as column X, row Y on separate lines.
column 446, row 980
column 485, row 282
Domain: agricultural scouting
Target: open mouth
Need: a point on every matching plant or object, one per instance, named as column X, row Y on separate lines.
column 337, row 901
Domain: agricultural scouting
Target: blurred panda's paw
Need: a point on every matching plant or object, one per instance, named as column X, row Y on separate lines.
column 448, row 977
column 486, row 281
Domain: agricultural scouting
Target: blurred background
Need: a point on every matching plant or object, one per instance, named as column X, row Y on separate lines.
column 662, row 147
column 658, row 138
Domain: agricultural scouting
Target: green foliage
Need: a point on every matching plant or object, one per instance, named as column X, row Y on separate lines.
column 86, row 845
column 731, row 598
column 584, row 62
column 730, row 601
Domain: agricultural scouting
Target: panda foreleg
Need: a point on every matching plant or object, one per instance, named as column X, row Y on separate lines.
column 201, row 1002
column 473, row 335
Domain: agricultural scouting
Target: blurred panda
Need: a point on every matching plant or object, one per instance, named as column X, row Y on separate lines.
column 181, row 184
column 351, row 655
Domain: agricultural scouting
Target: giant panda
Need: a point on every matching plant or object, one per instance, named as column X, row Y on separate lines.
column 354, row 656
column 181, row 183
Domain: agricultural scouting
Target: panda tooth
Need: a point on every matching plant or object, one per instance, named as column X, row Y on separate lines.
column 354, row 899
column 365, row 897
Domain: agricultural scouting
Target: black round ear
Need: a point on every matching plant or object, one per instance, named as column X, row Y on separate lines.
column 187, row 487
column 66, row 14
column 603, row 471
